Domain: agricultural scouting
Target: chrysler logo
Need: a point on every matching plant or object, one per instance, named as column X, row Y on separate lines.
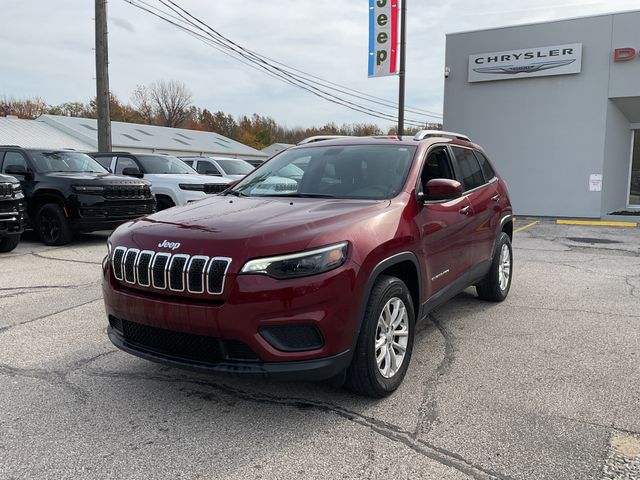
column 170, row 245
column 529, row 68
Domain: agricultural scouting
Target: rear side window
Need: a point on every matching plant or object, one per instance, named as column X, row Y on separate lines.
column 485, row 166
column 469, row 168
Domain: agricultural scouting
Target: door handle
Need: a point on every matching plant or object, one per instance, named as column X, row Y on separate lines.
column 465, row 210
column 496, row 197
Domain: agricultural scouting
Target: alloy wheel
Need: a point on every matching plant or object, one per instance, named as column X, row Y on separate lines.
column 392, row 336
column 504, row 269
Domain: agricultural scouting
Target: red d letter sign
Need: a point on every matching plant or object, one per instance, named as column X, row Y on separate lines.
column 624, row 54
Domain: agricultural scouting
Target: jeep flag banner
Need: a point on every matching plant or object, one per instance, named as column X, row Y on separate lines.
column 383, row 38
column 526, row 62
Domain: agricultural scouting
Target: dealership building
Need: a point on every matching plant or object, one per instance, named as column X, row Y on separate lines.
column 557, row 107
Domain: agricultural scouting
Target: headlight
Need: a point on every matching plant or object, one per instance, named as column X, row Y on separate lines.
column 300, row 264
column 90, row 189
column 197, row 187
column 16, row 188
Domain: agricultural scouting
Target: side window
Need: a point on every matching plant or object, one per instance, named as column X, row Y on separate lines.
column 104, row 161
column 14, row 158
column 485, row 166
column 207, row 168
column 188, row 162
column 125, row 162
column 437, row 165
column 469, row 168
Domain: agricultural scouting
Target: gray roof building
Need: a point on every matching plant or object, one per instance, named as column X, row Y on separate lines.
column 274, row 148
column 53, row 131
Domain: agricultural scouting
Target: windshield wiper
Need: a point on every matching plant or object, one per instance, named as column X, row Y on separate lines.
column 305, row 195
column 235, row 193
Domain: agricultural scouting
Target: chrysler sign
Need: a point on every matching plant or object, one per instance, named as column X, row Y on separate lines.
column 526, row 62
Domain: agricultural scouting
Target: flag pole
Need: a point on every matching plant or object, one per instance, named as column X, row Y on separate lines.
column 401, row 73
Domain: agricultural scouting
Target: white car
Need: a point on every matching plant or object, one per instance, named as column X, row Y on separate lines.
column 230, row 168
column 172, row 182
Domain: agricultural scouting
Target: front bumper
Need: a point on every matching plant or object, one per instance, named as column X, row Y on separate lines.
column 310, row 370
column 91, row 212
column 13, row 217
column 250, row 305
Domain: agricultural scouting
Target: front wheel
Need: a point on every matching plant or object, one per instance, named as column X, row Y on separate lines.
column 495, row 286
column 385, row 342
column 52, row 226
column 9, row 243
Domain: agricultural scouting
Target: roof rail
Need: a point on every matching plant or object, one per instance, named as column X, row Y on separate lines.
column 319, row 138
column 422, row 134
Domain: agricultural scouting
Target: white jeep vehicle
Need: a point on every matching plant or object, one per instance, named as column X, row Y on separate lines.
column 172, row 181
column 230, row 168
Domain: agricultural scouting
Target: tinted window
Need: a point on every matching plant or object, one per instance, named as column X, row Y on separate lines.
column 65, row 162
column 104, row 161
column 367, row 172
column 207, row 168
column 13, row 158
column 469, row 168
column 188, row 162
column 485, row 166
column 125, row 162
column 436, row 165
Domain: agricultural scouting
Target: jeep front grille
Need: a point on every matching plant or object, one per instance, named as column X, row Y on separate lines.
column 6, row 190
column 165, row 271
column 127, row 191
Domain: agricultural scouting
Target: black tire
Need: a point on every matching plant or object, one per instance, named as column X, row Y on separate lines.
column 52, row 225
column 9, row 243
column 489, row 288
column 363, row 375
column 163, row 203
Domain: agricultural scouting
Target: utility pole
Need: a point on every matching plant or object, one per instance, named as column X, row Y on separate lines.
column 102, row 78
column 401, row 73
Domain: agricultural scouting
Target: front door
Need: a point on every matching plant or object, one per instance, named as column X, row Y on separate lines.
column 444, row 227
column 634, row 177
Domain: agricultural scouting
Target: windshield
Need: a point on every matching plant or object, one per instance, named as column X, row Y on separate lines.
column 66, row 162
column 158, row 164
column 364, row 171
column 235, row 167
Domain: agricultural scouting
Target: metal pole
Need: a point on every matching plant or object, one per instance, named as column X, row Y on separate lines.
column 401, row 73
column 102, row 78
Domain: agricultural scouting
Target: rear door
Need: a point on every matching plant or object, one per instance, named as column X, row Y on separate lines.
column 444, row 226
column 480, row 192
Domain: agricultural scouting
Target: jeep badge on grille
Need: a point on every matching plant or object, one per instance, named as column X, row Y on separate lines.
column 171, row 245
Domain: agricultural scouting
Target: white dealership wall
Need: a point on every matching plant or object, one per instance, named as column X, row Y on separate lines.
column 549, row 134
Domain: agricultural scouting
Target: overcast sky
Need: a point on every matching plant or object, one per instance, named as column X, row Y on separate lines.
column 46, row 50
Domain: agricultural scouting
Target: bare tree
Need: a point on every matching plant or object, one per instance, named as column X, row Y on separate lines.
column 29, row 108
column 171, row 102
column 141, row 99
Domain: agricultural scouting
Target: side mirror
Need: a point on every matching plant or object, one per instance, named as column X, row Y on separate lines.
column 441, row 189
column 16, row 170
column 132, row 172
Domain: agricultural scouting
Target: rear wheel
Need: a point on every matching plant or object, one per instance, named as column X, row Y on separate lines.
column 385, row 342
column 9, row 243
column 52, row 226
column 495, row 286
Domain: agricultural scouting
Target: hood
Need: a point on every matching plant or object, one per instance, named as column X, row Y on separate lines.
column 87, row 178
column 243, row 228
column 8, row 179
column 186, row 178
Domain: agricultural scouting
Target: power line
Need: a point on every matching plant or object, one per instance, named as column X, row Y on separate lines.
column 184, row 20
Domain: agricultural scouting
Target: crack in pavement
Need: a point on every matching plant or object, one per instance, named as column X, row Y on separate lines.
column 388, row 430
column 573, row 310
column 20, row 291
column 42, row 317
column 39, row 255
column 428, row 409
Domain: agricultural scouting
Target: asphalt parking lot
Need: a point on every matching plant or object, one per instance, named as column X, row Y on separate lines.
column 543, row 385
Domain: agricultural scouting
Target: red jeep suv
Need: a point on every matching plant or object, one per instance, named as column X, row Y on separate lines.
column 316, row 265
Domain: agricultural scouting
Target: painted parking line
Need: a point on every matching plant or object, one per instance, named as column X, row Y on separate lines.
column 596, row 223
column 526, row 226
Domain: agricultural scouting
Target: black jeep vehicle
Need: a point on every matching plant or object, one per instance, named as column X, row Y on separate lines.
column 12, row 213
column 69, row 192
